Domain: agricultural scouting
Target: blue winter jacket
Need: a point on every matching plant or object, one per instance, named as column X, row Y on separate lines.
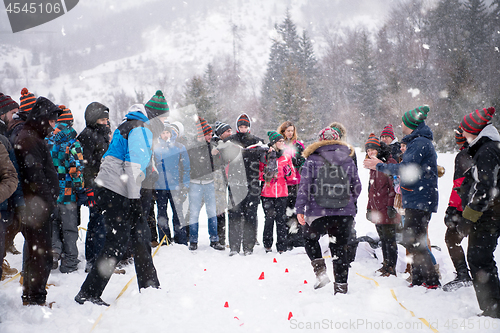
column 172, row 163
column 124, row 164
column 417, row 170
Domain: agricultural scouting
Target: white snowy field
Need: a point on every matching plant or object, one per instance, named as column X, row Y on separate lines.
column 195, row 287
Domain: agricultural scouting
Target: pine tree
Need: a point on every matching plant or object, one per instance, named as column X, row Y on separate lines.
column 290, row 82
column 196, row 93
column 365, row 90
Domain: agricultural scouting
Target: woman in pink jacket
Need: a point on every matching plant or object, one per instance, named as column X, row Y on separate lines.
column 276, row 168
column 293, row 147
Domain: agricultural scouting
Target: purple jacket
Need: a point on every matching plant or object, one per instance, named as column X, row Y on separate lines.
column 336, row 152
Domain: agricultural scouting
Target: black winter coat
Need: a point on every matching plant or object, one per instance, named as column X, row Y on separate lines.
column 480, row 188
column 37, row 172
column 95, row 142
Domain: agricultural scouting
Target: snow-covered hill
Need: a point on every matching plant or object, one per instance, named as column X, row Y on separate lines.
column 170, row 43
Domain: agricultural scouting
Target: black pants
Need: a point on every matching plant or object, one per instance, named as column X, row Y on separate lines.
column 123, row 222
column 415, row 241
column 275, row 211
column 242, row 222
column 221, row 228
column 387, row 234
column 482, row 243
column 453, row 239
column 293, row 239
column 335, row 226
column 37, row 232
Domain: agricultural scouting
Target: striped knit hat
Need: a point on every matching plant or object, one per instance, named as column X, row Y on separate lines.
column 203, row 127
column 475, row 121
column 65, row 116
column 373, row 142
column 243, row 120
column 27, row 100
column 329, row 133
column 414, row 117
column 388, row 131
column 7, row 104
column 221, row 127
column 459, row 136
column 274, row 137
column 157, row 105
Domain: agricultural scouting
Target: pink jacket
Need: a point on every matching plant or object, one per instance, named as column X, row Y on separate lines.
column 277, row 187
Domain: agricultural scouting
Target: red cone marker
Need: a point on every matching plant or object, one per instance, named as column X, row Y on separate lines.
column 261, row 277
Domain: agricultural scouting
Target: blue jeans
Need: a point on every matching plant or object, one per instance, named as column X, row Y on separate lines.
column 199, row 193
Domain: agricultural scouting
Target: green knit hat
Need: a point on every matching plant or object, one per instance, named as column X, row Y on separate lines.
column 274, row 137
column 157, row 105
column 414, row 117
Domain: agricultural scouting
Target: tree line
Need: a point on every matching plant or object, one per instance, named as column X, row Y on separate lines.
column 446, row 56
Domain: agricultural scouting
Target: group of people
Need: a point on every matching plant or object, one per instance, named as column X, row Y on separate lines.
column 307, row 192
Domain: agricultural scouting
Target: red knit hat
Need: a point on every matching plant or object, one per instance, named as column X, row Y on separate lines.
column 7, row 104
column 475, row 121
column 388, row 131
column 203, row 127
column 459, row 136
column 373, row 142
column 329, row 133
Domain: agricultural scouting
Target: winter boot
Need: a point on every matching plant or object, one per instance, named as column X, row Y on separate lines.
column 81, row 298
column 462, row 279
column 217, row 246
column 319, row 267
column 339, row 288
column 382, row 270
column 389, row 270
column 7, row 271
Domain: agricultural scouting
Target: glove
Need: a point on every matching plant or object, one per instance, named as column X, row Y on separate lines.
column 391, row 212
column 90, row 197
column 452, row 216
column 287, row 171
column 464, row 227
column 471, row 214
column 369, row 215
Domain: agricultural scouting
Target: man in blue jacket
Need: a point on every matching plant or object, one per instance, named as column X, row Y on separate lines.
column 119, row 195
column 419, row 189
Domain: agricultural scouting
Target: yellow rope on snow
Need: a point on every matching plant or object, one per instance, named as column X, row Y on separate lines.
column 423, row 320
column 164, row 239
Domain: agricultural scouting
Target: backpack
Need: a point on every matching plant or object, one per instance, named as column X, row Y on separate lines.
column 331, row 188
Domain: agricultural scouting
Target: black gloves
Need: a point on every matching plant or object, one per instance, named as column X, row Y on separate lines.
column 391, row 212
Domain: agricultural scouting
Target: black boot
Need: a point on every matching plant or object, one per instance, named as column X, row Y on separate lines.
column 322, row 278
column 463, row 279
column 339, row 288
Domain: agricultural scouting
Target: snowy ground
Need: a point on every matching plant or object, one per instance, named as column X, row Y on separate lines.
column 196, row 286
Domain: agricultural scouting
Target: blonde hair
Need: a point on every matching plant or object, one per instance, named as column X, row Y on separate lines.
column 281, row 130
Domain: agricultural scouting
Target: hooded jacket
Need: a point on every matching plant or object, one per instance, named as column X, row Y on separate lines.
column 381, row 191
column 251, row 162
column 38, row 175
column 124, row 164
column 67, row 157
column 277, row 186
column 480, row 187
column 171, row 157
column 417, row 171
column 335, row 152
